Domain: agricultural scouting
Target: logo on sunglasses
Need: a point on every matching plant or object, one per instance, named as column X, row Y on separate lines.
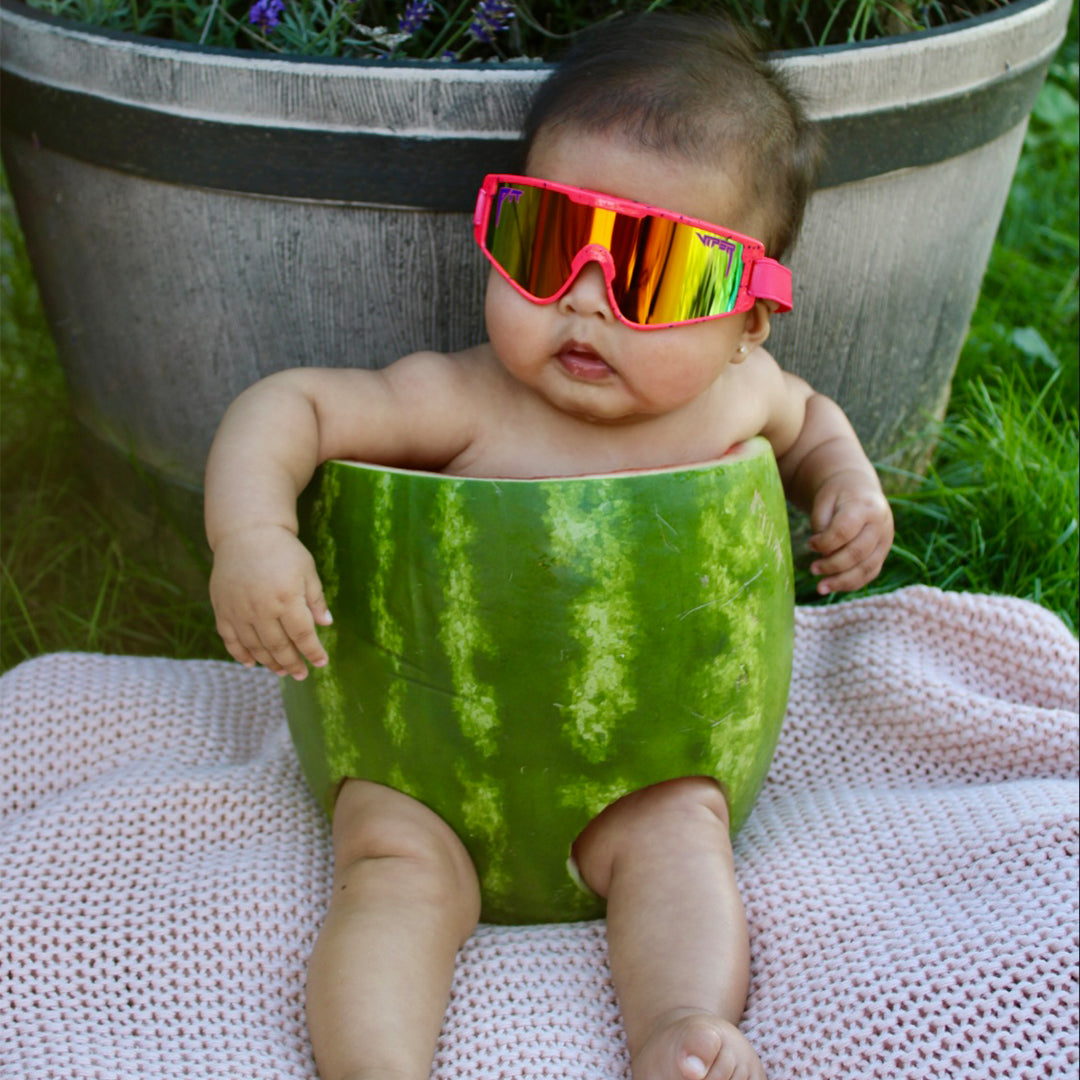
column 719, row 242
column 511, row 193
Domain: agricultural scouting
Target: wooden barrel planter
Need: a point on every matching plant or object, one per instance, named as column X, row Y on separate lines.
column 198, row 218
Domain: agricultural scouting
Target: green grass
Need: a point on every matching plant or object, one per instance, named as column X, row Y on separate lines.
column 997, row 511
column 71, row 576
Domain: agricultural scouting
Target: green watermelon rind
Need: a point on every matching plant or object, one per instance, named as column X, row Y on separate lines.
column 518, row 654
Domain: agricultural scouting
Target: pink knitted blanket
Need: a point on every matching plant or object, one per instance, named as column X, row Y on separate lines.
column 910, row 872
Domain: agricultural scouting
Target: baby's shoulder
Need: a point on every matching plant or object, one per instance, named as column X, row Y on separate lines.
column 762, row 377
column 429, row 372
column 748, row 387
column 760, row 365
column 473, row 364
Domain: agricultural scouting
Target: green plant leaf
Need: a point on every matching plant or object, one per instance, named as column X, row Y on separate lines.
column 1058, row 110
column 1033, row 345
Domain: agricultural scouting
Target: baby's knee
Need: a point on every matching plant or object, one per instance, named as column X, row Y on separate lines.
column 667, row 816
column 670, row 804
column 697, row 797
column 412, row 845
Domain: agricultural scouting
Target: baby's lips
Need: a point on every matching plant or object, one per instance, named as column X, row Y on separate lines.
column 583, row 361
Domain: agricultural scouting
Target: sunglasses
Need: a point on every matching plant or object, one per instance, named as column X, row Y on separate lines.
column 662, row 269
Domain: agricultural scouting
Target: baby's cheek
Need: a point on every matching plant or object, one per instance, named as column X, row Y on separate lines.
column 506, row 311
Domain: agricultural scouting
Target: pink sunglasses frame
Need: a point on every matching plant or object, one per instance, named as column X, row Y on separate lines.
column 763, row 278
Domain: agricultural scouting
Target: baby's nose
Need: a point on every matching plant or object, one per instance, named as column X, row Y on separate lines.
column 588, row 293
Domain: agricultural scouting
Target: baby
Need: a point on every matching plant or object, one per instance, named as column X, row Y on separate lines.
column 626, row 309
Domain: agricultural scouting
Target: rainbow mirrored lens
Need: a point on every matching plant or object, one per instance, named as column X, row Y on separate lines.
column 665, row 271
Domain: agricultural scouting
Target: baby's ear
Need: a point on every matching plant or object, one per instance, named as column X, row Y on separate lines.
column 755, row 329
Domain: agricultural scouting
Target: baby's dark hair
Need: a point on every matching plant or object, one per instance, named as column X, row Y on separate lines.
column 695, row 86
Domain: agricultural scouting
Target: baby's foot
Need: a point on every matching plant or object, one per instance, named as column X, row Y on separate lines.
column 696, row 1046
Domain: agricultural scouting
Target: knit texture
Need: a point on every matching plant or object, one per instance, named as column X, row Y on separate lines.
column 910, row 872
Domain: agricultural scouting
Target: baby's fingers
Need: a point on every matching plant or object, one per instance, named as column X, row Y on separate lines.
column 255, row 645
column 854, row 565
column 316, row 603
column 300, row 630
column 841, row 523
column 235, row 647
column 264, row 642
column 271, row 647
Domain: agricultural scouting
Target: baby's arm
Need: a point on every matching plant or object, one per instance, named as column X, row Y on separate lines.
column 826, row 471
column 264, row 587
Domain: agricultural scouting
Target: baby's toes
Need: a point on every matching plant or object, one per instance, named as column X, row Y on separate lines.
column 735, row 1058
column 697, row 1047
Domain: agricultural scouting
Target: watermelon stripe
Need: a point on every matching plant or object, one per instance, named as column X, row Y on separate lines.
column 587, row 527
column 592, row 796
column 484, row 814
column 461, row 632
column 731, row 615
column 387, row 631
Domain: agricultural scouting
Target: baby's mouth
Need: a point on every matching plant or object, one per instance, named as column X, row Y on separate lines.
column 583, row 362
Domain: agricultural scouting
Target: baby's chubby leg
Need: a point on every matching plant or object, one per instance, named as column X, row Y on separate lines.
column 677, row 934
column 405, row 898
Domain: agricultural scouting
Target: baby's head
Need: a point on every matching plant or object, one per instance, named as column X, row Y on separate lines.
column 670, row 112
column 691, row 87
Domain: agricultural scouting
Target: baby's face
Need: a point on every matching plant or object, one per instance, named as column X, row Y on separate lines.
column 575, row 352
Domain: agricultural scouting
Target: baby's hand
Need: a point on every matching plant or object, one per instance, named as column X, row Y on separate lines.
column 268, row 599
column 853, row 531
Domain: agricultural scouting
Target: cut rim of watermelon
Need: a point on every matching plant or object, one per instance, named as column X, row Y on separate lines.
column 738, row 453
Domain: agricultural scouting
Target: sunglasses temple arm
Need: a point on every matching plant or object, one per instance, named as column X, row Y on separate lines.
column 483, row 201
column 771, row 281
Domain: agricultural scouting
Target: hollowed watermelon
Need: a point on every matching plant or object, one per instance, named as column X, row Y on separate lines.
column 518, row 654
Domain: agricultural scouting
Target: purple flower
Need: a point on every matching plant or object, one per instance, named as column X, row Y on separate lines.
column 415, row 15
column 266, row 14
column 489, row 17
